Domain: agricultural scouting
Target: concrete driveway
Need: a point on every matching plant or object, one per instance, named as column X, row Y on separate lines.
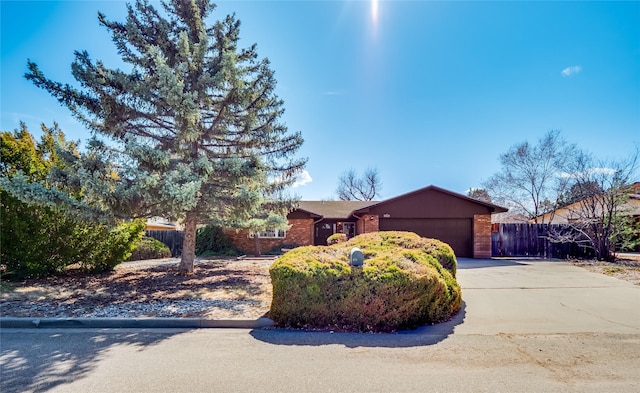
column 521, row 297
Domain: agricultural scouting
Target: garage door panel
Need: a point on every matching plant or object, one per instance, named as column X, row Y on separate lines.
column 457, row 232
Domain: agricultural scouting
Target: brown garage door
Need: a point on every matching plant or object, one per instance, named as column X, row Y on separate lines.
column 457, row 232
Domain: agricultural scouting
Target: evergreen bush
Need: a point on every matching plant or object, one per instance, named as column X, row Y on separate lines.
column 107, row 247
column 336, row 238
column 150, row 248
column 211, row 240
column 401, row 285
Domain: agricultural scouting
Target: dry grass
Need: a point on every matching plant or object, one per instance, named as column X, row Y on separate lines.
column 626, row 267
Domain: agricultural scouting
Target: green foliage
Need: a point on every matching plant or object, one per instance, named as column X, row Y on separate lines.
column 104, row 247
column 149, row 248
column 401, row 285
column 41, row 240
column 257, row 221
column 211, row 240
column 36, row 241
column 337, row 238
column 625, row 233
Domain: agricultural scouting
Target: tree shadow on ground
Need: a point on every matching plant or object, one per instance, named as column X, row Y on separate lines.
column 38, row 361
column 422, row 336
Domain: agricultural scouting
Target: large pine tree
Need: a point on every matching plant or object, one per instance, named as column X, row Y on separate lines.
column 191, row 131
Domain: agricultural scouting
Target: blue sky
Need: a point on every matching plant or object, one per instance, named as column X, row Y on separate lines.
column 427, row 92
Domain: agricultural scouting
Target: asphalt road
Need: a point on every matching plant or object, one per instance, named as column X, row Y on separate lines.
column 525, row 327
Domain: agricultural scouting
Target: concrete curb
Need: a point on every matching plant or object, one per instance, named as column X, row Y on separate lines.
column 121, row 323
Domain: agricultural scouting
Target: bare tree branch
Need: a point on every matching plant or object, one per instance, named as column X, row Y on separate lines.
column 530, row 181
column 600, row 218
column 365, row 188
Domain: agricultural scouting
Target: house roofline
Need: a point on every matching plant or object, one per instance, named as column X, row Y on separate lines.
column 494, row 208
column 312, row 214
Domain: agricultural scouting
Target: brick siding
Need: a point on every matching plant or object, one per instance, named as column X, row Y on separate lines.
column 300, row 233
column 482, row 236
column 367, row 224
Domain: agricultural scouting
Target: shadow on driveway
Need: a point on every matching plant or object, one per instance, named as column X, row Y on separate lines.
column 468, row 263
column 422, row 336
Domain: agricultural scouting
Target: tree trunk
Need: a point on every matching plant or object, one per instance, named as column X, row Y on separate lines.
column 256, row 239
column 186, row 266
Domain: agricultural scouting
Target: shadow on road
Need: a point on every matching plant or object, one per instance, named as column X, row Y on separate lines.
column 422, row 336
column 42, row 365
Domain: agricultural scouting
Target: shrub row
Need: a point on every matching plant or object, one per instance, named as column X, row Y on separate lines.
column 38, row 241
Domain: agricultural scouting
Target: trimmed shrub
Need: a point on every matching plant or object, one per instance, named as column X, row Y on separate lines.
column 211, row 240
column 402, row 284
column 150, row 248
column 336, row 238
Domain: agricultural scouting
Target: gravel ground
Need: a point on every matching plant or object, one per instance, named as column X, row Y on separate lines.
column 220, row 289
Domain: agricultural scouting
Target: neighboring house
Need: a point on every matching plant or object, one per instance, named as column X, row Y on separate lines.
column 462, row 222
column 161, row 224
column 572, row 212
column 509, row 218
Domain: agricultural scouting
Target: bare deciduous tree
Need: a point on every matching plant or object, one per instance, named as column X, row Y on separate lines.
column 530, row 180
column 353, row 187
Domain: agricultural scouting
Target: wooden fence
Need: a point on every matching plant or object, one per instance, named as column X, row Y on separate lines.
column 532, row 240
column 507, row 240
column 173, row 239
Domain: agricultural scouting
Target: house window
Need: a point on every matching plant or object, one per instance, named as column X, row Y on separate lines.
column 271, row 234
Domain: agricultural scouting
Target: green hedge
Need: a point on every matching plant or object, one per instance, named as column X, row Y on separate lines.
column 150, row 248
column 211, row 240
column 406, row 281
column 38, row 241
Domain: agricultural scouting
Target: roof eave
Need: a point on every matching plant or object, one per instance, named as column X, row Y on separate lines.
column 491, row 206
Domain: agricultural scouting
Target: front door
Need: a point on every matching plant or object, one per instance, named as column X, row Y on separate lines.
column 323, row 231
column 349, row 229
